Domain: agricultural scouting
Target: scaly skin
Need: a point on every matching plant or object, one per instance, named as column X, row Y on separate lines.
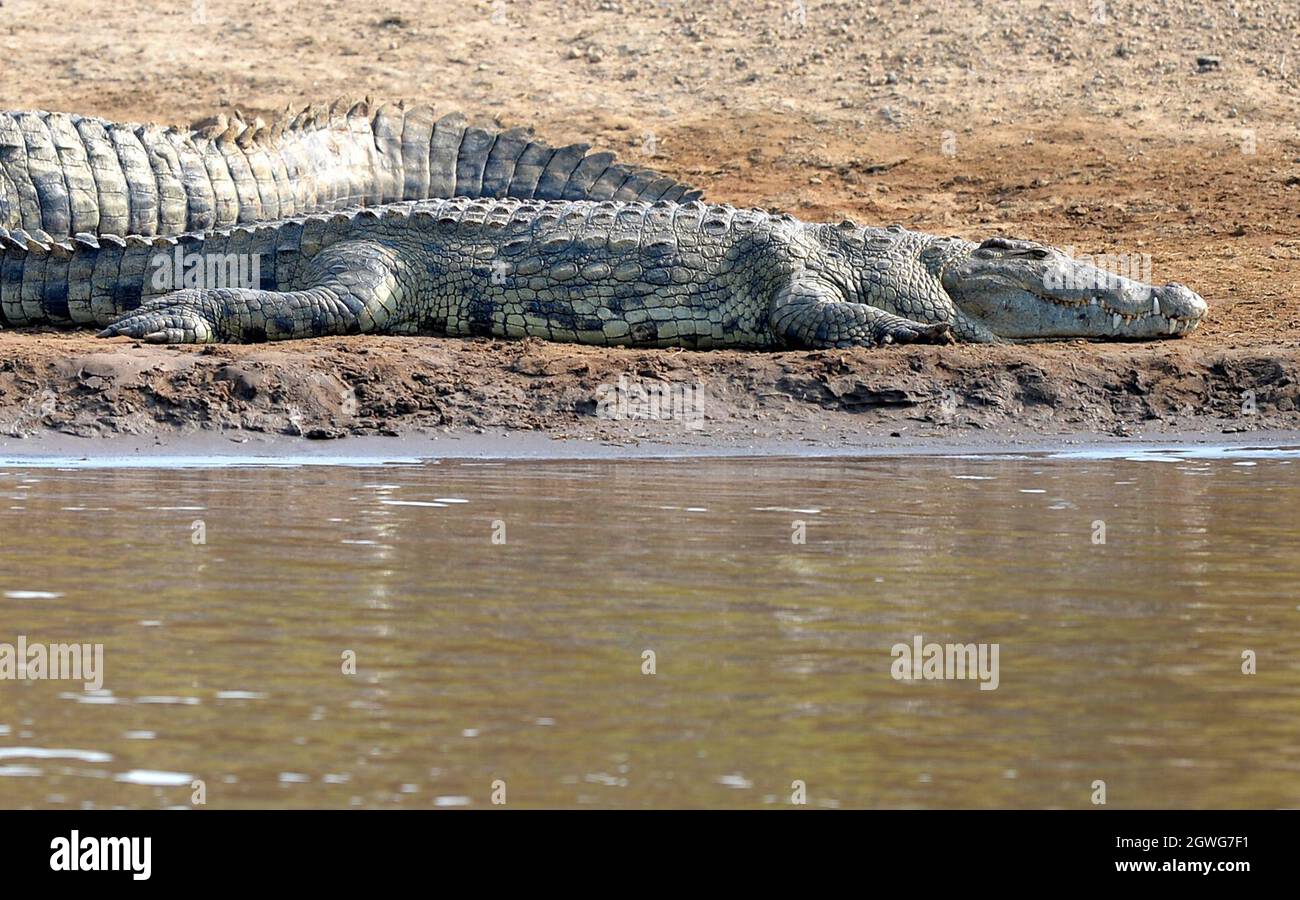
column 61, row 174
column 607, row 273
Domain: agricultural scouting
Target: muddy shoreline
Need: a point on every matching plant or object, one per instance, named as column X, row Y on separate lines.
column 206, row 449
column 72, row 386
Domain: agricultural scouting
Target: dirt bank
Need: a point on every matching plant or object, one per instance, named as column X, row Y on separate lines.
column 1087, row 125
column 335, row 387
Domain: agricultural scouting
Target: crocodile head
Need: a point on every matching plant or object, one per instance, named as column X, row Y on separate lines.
column 1016, row 290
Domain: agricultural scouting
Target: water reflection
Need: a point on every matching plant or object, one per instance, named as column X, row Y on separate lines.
column 523, row 660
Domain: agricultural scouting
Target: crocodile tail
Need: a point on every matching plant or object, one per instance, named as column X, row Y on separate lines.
column 65, row 174
column 359, row 153
column 414, row 154
column 87, row 279
column 92, row 279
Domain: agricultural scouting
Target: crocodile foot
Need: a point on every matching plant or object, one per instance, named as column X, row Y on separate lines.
column 178, row 318
column 351, row 287
column 810, row 312
column 908, row 332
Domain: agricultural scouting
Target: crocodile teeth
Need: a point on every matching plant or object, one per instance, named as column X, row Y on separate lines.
column 1173, row 326
column 1155, row 306
column 1114, row 322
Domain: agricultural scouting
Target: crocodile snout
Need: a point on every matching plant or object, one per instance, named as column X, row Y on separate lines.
column 1177, row 301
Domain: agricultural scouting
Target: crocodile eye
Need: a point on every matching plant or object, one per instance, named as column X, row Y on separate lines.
column 1039, row 253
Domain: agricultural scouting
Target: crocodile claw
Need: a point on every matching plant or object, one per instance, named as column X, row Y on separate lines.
column 164, row 324
column 938, row 333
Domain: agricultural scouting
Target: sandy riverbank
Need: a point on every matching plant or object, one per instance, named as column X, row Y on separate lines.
column 1049, row 120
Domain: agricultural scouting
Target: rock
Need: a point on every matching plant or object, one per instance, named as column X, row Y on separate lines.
column 851, row 392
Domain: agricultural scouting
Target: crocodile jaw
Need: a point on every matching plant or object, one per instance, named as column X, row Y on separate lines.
column 1017, row 290
column 1020, row 313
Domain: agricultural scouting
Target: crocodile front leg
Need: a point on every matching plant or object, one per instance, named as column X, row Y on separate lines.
column 350, row 288
column 810, row 312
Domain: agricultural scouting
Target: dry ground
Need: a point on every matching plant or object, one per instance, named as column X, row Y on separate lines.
column 1083, row 123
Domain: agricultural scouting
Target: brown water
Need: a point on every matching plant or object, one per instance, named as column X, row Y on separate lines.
column 523, row 661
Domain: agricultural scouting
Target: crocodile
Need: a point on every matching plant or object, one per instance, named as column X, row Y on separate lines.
column 385, row 219
column 63, row 174
column 630, row 273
